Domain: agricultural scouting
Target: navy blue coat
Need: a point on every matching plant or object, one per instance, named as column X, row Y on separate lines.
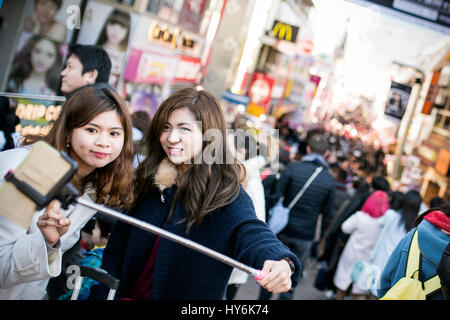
column 182, row 273
column 317, row 199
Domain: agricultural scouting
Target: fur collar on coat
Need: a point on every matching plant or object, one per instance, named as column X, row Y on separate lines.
column 167, row 172
column 166, row 175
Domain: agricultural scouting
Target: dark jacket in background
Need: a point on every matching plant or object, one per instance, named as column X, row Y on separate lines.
column 334, row 232
column 340, row 195
column 317, row 199
column 443, row 270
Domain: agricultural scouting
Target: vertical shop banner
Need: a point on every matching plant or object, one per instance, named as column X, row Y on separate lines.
column 112, row 29
column 191, row 14
column 398, row 100
column 260, row 89
column 316, row 80
column 431, row 94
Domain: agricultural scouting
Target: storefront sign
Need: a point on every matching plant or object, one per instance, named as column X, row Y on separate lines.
column 152, row 67
column 260, row 89
column 187, row 70
column 171, row 37
column 284, row 31
column 434, row 13
column 36, row 118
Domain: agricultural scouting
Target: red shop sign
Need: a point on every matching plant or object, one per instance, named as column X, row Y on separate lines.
column 260, row 89
column 188, row 69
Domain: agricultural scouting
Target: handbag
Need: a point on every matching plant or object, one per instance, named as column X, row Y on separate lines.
column 279, row 214
column 322, row 279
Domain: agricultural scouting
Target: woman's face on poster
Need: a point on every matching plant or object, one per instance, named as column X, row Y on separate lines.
column 116, row 32
column 43, row 56
column 45, row 10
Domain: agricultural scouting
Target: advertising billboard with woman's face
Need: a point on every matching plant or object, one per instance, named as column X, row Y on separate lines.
column 111, row 28
column 41, row 47
column 38, row 61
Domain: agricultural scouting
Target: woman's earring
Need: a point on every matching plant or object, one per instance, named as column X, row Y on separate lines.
column 68, row 145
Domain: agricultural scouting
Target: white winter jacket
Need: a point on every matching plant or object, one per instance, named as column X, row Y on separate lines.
column 26, row 262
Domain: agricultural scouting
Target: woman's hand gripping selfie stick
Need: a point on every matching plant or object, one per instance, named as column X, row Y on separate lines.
column 257, row 274
column 26, row 184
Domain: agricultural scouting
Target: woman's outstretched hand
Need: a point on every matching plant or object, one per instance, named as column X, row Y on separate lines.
column 278, row 276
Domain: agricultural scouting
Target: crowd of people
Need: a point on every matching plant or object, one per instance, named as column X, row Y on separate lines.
column 351, row 215
column 192, row 187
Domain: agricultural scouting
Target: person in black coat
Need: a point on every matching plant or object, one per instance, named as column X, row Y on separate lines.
column 443, row 270
column 318, row 199
column 8, row 122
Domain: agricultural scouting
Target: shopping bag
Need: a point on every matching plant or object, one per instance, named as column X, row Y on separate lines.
column 322, row 278
column 278, row 217
column 364, row 274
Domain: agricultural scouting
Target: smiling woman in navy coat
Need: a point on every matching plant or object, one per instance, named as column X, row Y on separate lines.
column 203, row 202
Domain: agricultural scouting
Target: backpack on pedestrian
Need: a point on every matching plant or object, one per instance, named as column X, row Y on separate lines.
column 410, row 287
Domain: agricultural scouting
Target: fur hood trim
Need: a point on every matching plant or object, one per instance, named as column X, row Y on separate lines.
column 166, row 175
column 167, row 172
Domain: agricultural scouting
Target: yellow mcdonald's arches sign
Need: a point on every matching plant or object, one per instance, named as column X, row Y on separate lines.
column 284, row 31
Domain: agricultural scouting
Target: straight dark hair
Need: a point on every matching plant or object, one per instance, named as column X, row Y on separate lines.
column 111, row 182
column 205, row 187
column 410, row 208
column 93, row 58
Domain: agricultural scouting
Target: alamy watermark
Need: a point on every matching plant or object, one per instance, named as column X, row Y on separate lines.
column 73, row 21
column 251, row 142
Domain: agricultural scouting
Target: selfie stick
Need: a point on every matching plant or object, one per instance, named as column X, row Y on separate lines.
column 71, row 194
column 257, row 274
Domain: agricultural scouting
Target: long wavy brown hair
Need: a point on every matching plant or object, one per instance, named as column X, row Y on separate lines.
column 111, row 182
column 205, row 186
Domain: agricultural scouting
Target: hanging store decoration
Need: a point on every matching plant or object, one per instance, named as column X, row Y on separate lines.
column 398, row 99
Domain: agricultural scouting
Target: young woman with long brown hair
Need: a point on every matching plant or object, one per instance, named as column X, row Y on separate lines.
column 188, row 186
column 94, row 129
